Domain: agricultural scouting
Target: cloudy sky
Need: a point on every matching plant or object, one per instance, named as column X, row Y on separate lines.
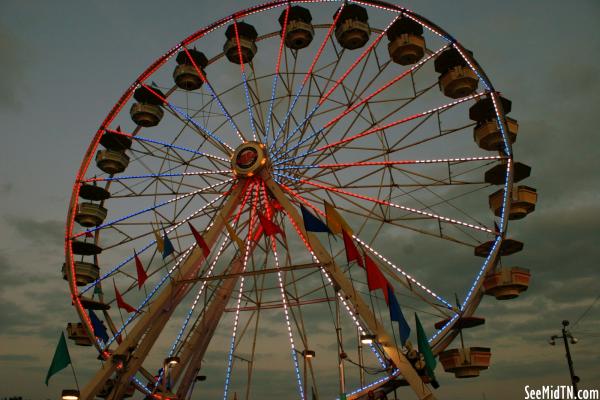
column 63, row 65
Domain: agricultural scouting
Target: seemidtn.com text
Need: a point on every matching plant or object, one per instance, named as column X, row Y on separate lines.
column 560, row 392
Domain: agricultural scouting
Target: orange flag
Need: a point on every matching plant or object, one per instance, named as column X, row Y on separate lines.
column 121, row 302
column 141, row 272
column 200, row 241
column 334, row 220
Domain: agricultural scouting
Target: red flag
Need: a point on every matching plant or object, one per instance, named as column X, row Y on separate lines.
column 275, row 204
column 375, row 279
column 121, row 303
column 200, row 241
column 268, row 226
column 352, row 253
column 89, row 234
column 141, row 272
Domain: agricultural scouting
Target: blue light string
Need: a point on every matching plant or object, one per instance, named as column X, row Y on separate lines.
column 289, row 136
column 222, row 107
column 142, row 386
column 143, row 139
column 306, row 166
column 91, row 230
column 146, row 300
column 188, row 118
column 306, row 153
column 374, row 383
column 251, row 115
column 269, row 115
column 287, row 116
column 118, row 178
column 112, row 271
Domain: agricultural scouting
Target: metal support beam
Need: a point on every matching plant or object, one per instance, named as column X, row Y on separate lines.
column 140, row 339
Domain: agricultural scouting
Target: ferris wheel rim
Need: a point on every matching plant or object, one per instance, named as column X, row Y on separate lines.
column 470, row 306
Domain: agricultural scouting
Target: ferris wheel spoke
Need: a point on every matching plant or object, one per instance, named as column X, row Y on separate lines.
column 308, row 73
column 203, row 131
column 399, row 162
column 188, row 316
column 161, row 175
column 353, row 315
column 199, row 336
column 142, row 250
column 252, row 220
column 284, row 302
column 387, row 203
column 244, row 79
column 144, row 210
column 213, row 94
column 276, row 76
column 383, row 128
column 143, row 304
column 362, row 102
column 170, row 145
column 337, row 83
column 409, row 279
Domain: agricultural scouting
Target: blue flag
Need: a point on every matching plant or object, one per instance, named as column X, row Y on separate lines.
column 168, row 248
column 396, row 315
column 312, row 223
column 98, row 325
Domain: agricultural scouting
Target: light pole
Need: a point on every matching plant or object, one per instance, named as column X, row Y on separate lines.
column 566, row 334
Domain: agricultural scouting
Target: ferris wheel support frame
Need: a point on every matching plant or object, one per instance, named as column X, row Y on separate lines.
column 136, row 346
column 195, row 348
column 361, row 308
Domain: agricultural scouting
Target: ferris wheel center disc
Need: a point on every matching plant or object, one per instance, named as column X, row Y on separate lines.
column 248, row 159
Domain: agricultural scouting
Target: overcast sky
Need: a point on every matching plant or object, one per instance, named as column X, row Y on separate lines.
column 64, row 64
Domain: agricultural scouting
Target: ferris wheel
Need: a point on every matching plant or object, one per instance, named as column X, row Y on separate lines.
column 268, row 206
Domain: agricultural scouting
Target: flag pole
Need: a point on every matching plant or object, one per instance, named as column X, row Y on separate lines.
column 75, row 376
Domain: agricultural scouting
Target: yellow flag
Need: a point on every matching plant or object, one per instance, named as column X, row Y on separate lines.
column 235, row 237
column 160, row 243
column 334, row 220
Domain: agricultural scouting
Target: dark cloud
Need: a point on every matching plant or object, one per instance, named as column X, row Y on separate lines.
column 37, row 232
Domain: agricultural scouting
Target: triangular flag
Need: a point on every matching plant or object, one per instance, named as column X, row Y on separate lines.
column 61, row 358
column 98, row 325
column 98, row 290
column 276, row 205
column 89, row 234
column 200, row 241
column 121, row 302
column 425, row 349
column 351, row 250
column 335, row 222
column 168, row 246
column 141, row 272
column 268, row 226
column 375, row 279
column 312, row 223
column 233, row 236
column 396, row 315
column 160, row 244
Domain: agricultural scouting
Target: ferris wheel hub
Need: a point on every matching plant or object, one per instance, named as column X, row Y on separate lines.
column 249, row 158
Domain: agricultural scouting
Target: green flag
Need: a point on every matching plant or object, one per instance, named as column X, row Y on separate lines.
column 61, row 358
column 425, row 349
